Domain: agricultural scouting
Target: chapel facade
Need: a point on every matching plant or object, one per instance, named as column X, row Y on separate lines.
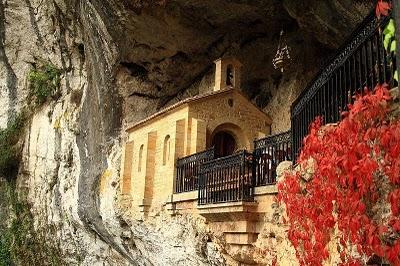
column 197, row 157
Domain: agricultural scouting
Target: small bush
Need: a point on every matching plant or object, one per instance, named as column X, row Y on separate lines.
column 8, row 139
column 44, row 82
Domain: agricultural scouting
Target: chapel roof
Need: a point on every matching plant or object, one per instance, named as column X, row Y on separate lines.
column 186, row 102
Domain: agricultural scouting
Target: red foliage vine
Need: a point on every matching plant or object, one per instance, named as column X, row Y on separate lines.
column 355, row 185
column 382, row 8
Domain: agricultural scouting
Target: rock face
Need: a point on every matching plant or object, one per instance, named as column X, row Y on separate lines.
column 121, row 61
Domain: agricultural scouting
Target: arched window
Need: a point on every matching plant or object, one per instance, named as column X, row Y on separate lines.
column 229, row 75
column 140, row 158
column 167, row 149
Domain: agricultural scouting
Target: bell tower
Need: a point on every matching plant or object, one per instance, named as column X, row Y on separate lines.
column 227, row 73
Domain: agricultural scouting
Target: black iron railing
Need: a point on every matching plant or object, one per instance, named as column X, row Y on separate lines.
column 188, row 169
column 268, row 153
column 227, row 179
column 361, row 62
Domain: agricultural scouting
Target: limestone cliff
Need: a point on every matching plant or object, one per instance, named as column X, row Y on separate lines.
column 120, row 61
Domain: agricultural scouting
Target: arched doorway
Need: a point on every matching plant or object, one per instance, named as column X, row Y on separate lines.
column 226, row 139
column 224, row 144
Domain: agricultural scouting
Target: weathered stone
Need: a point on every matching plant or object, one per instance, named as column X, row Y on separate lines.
column 306, row 169
column 282, row 169
column 395, row 93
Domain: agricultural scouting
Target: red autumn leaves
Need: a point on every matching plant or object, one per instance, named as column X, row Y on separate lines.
column 382, row 8
column 356, row 173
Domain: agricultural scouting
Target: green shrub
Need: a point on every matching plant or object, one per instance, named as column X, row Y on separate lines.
column 44, row 81
column 9, row 137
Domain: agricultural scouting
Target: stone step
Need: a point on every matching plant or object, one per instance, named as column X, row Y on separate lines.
column 241, row 238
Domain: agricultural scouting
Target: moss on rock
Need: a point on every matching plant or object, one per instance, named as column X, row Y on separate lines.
column 20, row 242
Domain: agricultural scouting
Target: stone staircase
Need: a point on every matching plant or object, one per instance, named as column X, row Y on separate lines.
column 240, row 222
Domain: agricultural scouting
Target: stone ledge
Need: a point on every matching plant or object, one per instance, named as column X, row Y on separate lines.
column 233, row 204
column 230, row 211
column 185, row 196
column 265, row 190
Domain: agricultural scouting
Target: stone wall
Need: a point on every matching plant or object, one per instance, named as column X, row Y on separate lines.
column 152, row 182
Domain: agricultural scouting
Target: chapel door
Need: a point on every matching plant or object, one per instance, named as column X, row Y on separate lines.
column 224, row 144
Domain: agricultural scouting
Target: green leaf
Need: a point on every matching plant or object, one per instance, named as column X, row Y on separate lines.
column 393, row 46
column 386, row 41
column 395, row 76
column 389, row 29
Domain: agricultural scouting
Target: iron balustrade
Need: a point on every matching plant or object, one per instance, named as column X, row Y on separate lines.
column 361, row 62
column 188, row 169
column 227, row 179
column 268, row 153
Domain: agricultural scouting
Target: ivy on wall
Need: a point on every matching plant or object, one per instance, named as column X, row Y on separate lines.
column 355, row 184
column 351, row 193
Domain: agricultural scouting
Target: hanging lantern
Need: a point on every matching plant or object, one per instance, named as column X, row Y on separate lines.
column 282, row 56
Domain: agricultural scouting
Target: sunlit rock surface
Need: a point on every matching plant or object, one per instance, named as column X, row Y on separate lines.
column 128, row 59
